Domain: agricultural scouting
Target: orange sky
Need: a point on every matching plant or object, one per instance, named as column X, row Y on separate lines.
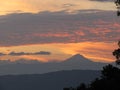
column 28, row 26
column 96, row 51
column 35, row 6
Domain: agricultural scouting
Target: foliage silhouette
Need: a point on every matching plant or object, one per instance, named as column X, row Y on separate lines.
column 81, row 87
column 116, row 53
column 109, row 80
column 117, row 2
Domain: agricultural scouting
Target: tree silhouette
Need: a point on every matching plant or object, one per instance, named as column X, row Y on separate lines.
column 109, row 80
column 81, row 87
column 117, row 2
column 68, row 88
column 116, row 53
column 110, row 72
column 110, row 77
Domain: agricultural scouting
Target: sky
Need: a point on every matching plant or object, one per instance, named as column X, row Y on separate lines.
column 54, row 30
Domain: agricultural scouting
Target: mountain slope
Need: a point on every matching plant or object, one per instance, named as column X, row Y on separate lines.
column 32, row 67
column 48, row 81
column 77, row 59
column 80, row 62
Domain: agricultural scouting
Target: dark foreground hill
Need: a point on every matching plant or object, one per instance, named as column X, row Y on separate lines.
column 48, row 81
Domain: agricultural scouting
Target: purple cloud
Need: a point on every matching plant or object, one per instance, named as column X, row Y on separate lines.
column 58, row 27
column 24, row 53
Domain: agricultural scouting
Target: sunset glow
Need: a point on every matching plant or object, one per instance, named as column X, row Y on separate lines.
column 49, row 30
column 60, row 52
column 35, row 6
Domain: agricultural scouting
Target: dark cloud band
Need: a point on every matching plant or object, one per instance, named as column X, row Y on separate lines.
column 58, row 27
column 24, row 53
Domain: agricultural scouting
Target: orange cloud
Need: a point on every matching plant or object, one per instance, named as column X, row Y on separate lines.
column 35, row 6
column 96, row 51
column 57, row 27
column 57, row 34
column 32, row 57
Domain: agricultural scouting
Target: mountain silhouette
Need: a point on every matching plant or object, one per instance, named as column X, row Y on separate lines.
column 77, row 58
column 80, row 62
column 76, row 62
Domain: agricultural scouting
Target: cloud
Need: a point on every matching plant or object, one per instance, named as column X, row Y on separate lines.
column 2, row 54
column 36, row 6
column 103, row 0
column 58, row 27
column 97, row 51
column 20, row 61
column 24, row 53
column 41, row 53
column 17, row 54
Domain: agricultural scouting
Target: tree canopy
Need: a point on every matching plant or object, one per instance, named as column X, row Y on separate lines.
column 116, row 53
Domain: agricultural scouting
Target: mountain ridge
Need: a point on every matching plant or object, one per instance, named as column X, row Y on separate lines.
column 78, row 58
column 76, row 62
column 49, row 81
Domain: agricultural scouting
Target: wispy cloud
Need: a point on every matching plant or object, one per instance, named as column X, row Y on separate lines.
column 24, row 53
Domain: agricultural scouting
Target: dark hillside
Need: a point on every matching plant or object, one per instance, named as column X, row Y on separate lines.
column 48, row 81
